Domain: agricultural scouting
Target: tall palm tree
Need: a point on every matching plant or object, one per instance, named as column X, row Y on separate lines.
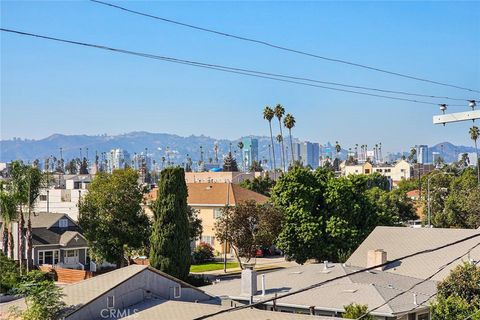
column 474, row 134
column 279, row 139
column 240, row 146
column 268, row 115
column 356, row 150
column 8, row 212
column 338, row 148
column 289, row 123
column 412, row 154
column 279, row 112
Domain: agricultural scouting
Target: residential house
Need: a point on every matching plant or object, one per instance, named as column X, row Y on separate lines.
column 401, row 241
column 209, row 199
column 56, row 240
column 394, row 172
column 401, row 290
column 375, row 288
column 222, row 177
column 144, row 293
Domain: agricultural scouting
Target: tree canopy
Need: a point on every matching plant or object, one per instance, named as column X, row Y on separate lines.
column 262, row 185
column 326, row 218
column 111, row 216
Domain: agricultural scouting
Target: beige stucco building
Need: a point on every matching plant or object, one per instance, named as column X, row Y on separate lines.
column 395, row 172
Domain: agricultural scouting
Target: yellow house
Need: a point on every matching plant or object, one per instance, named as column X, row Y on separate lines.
column 209, row 199
column 364, row 168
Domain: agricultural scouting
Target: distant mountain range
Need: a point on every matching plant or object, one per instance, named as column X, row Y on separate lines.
column 158, row 145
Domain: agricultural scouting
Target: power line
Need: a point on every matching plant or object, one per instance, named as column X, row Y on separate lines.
column 319, row 284
column 251, row 73
column 419, row 283
column 265, row 43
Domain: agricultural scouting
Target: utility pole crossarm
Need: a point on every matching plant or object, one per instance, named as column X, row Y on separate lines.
column 456, row 117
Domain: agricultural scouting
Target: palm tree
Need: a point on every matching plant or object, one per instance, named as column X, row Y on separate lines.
column 279, row 139
column 289, row 123
column 338, row 148
column 356, row 150
column 268, row 115
column 474, row 134
column 240, row 146
column 279, row 112
column 8, row 212
column 412, row 154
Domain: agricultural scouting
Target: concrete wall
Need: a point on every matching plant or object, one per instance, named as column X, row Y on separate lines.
column 60, row 201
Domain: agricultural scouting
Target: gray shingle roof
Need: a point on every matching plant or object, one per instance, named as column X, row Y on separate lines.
column 168, row 309
column 372, row 289
column 400, row 241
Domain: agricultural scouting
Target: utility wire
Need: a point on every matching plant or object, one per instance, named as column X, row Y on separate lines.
column 251, row 73
column 419, row 283
column 268, row 44
column 319, row 284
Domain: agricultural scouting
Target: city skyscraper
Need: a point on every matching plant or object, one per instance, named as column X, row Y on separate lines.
column 250, row 151
column 422, row 153
column 307, row 153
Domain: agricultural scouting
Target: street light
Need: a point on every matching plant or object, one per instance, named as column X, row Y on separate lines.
column 472, row 104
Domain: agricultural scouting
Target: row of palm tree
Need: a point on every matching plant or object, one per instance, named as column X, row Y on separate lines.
column 289, row 123
column 17, row 196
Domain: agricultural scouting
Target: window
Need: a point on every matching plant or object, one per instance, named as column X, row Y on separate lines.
column 63, row 223
column 217, row 213
column 367, row 171
column 43, row 197
column 66, row 196
column 48, row 257
column 208, row 239
column 422, row 316
column 111, row 302
column 177, row 292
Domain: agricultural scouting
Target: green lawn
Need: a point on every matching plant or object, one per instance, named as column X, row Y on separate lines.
column 210, row 266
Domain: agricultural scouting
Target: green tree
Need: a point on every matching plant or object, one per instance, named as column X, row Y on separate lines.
column 458, row 295
column 8, row 211
column 354, row 311
column 262, row 185
column 462, row 204
column 170, row 240
column 247, row 227
column 229, row 163
column 326, row 217
column 195, row 224
column 42, row 298
column 25, row 186
column 268, row 115
column 289, row 123
column 474, row 134
column 111, row 216
column 411, row 156
column 279, row 112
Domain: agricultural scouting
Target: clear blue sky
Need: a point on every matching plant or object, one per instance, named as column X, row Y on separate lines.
column 50, row 87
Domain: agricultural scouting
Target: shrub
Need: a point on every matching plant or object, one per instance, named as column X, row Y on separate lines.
column 10, row 275
column 203, row 253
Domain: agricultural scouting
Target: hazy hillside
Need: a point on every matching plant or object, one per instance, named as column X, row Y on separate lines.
column 157, row 144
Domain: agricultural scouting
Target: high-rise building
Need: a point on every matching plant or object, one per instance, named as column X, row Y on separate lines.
column 422, row 154
column 250, row 151
column 307, row 153
column 117, row 159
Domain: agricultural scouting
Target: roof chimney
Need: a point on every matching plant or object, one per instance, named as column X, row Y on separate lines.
column 376, row 257
column 249, row 280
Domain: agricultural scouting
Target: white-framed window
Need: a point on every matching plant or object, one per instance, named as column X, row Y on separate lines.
column 217, row 213
column 63, row 223
column 177, row 292
column 110, row 302
column 208, row 239
column 43, row 197
column 48, row 257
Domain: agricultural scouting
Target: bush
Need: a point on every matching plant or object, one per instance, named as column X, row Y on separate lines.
column 203, row 253
column 198, row 281
column 10, row 275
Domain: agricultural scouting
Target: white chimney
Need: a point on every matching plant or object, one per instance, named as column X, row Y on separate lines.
column 249, row 280
column 376, row 257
